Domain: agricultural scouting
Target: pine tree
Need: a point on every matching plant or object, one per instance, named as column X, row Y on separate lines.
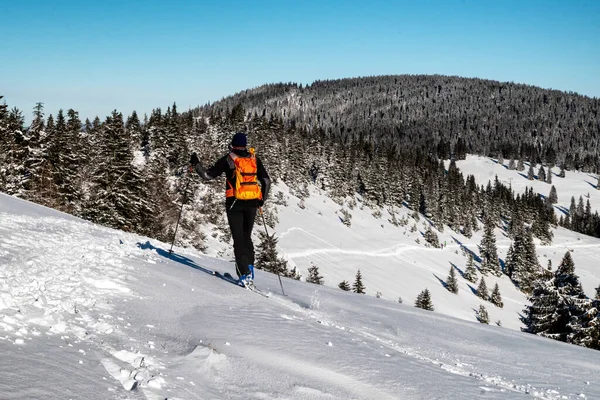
column 313, row 275
column 496, row 297
column 521, row 165
column 530, row 172
column 511, row 164
column 482, row 290
column 482, row 315
column 431, row 237
column 521, row 262
column 585, row 326
column 424, row 301
column 541, row 174
column 500, row 159
column 344, row 285
column 358, row 286
column 470, row 272
column 267, row 257
column 451, row 282
column 555, row 303
column 489, row 252
column 562, row 172
column 553, row 196
column 294, row 274
column 549, row 176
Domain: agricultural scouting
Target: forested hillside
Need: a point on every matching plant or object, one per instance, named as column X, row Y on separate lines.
column 437, row 113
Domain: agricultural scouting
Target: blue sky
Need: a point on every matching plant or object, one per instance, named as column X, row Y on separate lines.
column 145, row 54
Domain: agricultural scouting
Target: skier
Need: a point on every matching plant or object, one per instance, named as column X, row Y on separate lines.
column 243, row 197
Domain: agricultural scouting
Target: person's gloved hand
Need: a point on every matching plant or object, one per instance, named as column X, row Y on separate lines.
column 194, row 160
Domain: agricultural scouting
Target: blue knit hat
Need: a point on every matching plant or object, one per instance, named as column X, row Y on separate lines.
column 239, row 140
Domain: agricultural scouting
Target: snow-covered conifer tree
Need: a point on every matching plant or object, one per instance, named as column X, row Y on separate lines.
column 313, row 275
column 496, row 297
column 482, row 315
column 424, row 301
column 482, row 290
column 553, row 196
column 470, row 271
column 358, row 286
column 451, row 282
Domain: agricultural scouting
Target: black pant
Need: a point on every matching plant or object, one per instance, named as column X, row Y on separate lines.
column 241, row 221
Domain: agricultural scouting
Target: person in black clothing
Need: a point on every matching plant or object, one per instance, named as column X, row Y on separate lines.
column 240, row 213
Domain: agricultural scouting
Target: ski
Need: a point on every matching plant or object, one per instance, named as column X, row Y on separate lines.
column 229, row 278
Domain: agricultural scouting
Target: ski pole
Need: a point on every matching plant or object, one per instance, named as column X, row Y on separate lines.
column 180, row 211
column 269, row 238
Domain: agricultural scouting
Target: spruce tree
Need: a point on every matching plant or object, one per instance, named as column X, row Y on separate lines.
column 482, row 290
column 489, row 252
column 520, row 165
column 294, row 274
column 541, row 174
column 511, row 164
column 585, row 326
column 313, row 275
column 562, row 172
column 530, row 172
column 344, row 285
column 470, row 272
column 358, row 286
column 496, row 297
column 431, row 237
column 424, row 301
column 267, row 257
column 555, row 303
column 521, row 262
column 482, row 315
column 549, row 176
column 451, row 282
column 553, row 196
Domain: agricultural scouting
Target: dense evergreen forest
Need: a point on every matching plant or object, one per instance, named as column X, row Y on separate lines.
column 456, row 114
column 382, row 140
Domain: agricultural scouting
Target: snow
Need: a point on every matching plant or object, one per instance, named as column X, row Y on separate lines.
column 90, row 312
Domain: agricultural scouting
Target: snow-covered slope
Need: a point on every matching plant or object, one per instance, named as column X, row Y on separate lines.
column 393, row 263
column 88, row 312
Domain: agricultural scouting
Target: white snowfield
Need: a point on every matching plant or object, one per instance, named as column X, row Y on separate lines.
column 88, row 312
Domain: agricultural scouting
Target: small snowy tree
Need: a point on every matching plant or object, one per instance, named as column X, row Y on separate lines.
column 451, row 282
column 553, row 196
column 424, row 301
column 344, row 285
column 511, row 164
column 562, row 172
column 482, row 290
column 268, row 258
column 471, row 271
column 378, row 295
column 496, row 298
column 358, row 286
column 294, row 274
column 313, row 275
column 346, row 217
column 549, row 175
column 482, row 315
column 431, row 237
column 541, row 174
column 530, row 172
column 399, row 300
column 521, row 165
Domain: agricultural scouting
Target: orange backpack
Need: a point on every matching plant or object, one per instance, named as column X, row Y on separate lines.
column 246, row 180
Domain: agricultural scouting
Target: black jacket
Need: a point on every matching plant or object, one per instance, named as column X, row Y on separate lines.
column 225, row 165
